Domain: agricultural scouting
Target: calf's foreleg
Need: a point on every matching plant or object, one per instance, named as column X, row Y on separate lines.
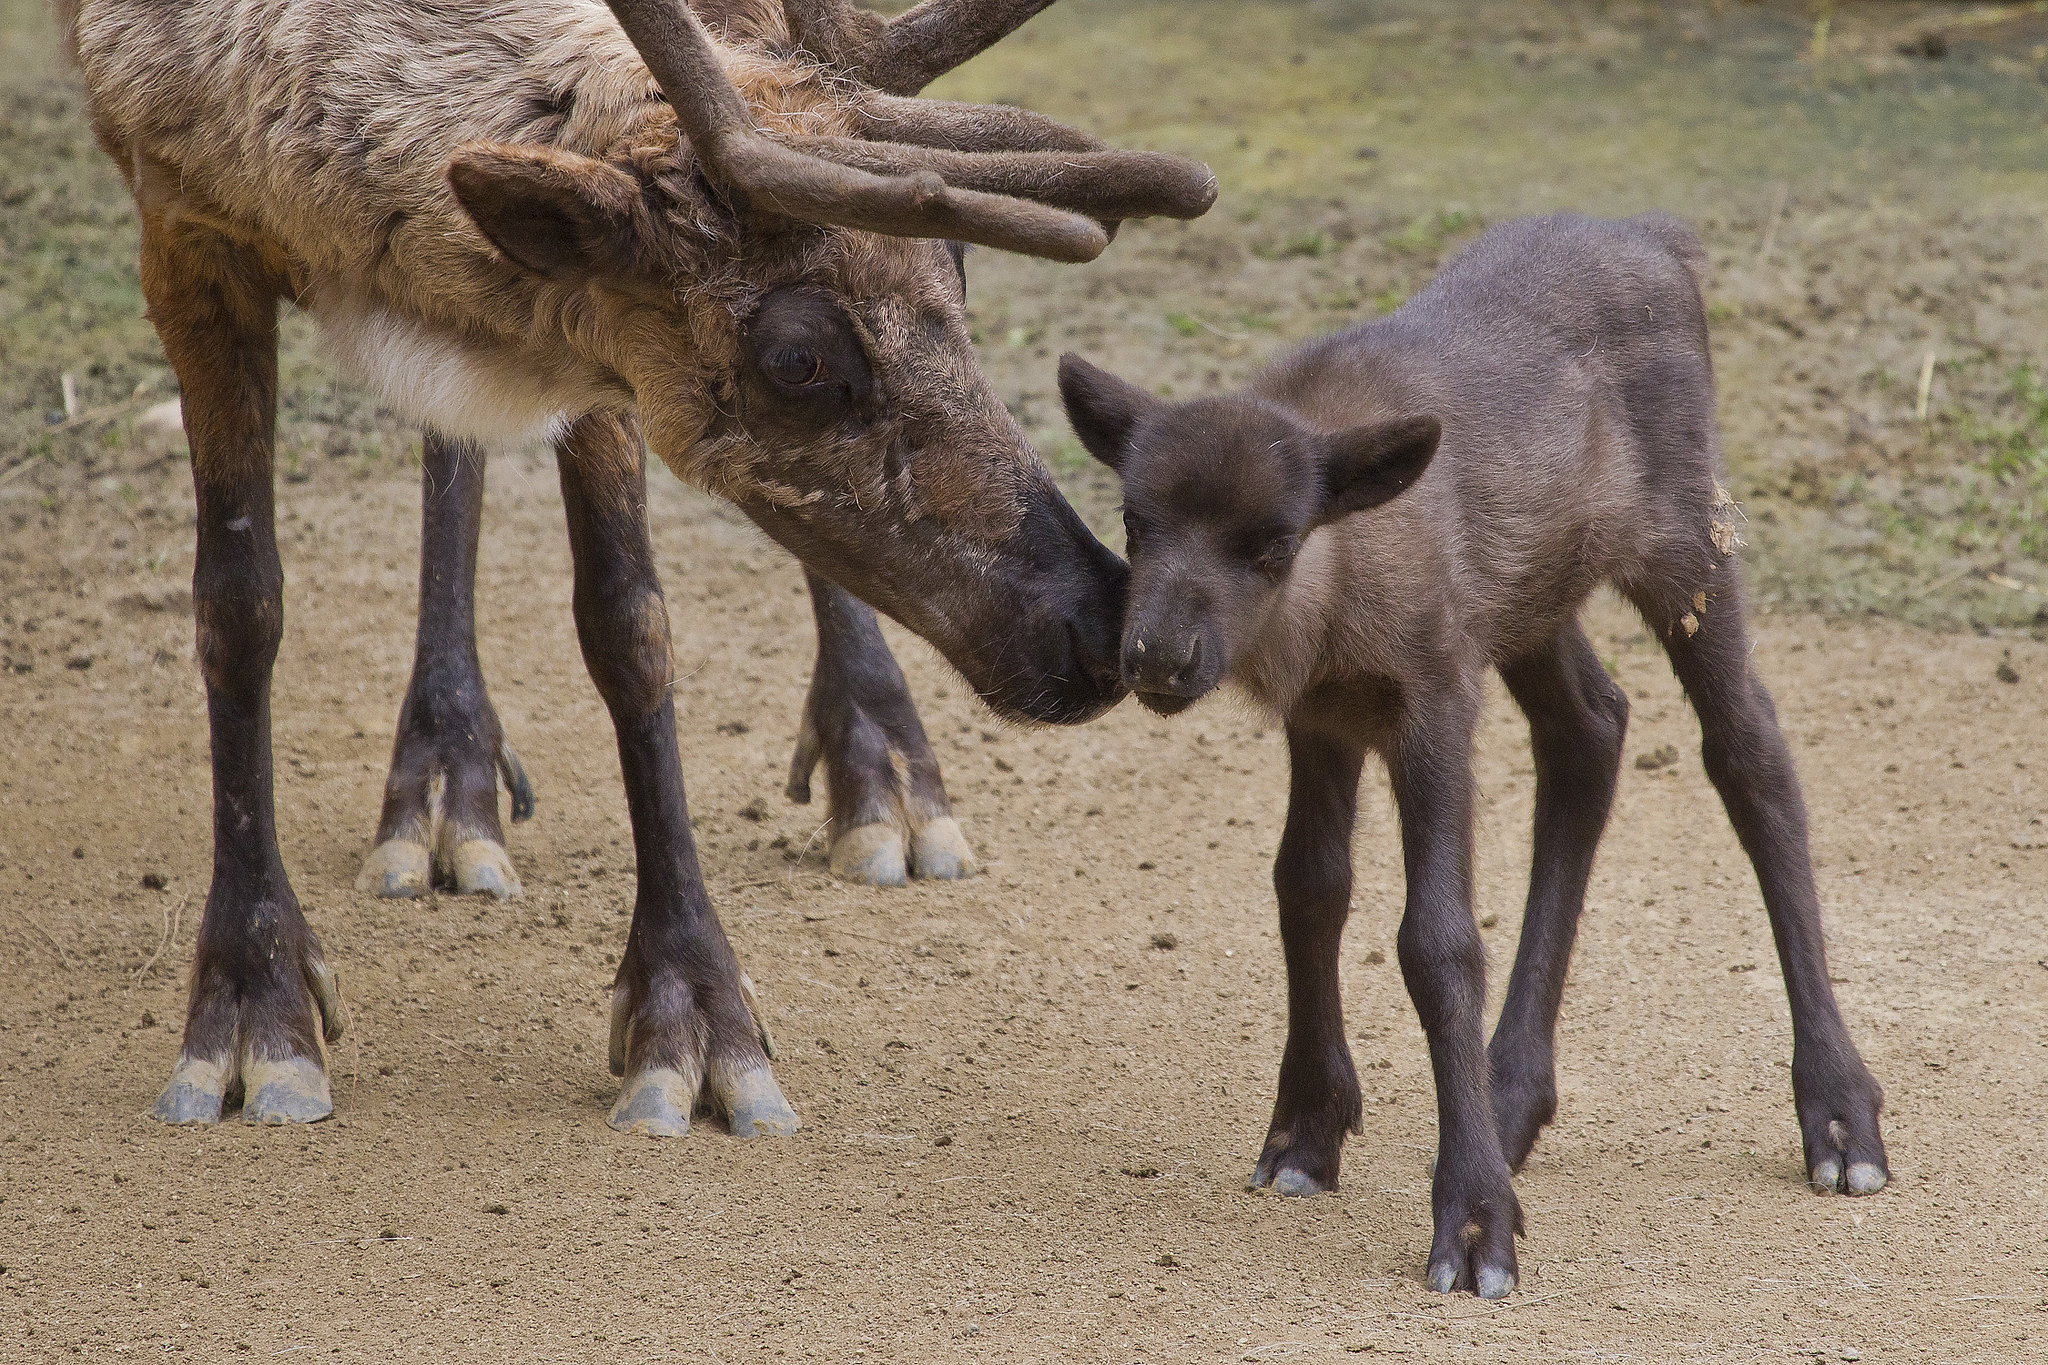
column 1318, row 1099
column 683, row 1014
column 1443, row 961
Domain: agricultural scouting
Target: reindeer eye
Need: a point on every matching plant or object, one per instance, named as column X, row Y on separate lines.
column 1277, row 555
column 796, row 366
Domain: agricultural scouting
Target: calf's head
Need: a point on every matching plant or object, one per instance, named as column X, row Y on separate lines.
column 771, row 281
column 1219, row 496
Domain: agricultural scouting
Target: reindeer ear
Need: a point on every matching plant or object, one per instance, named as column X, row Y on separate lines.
column 554, row 213
column 1366, row 466
column 1103, row 409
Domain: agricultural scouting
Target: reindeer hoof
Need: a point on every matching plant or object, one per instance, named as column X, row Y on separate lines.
column 655, row 1103
column 1495, row 1283
column 195, row 1094
column 1295, row 1184
column 285, row 1090
column 397, row 869
column 1866, row 1177
column 754, row 1106
column 871, row 855
column 939, row 851
column 480, row 866
column 1288, row 1181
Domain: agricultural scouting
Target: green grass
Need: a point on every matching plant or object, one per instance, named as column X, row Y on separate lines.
column 2009, row 457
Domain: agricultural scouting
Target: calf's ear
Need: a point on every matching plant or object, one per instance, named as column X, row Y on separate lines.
column 1103, row 409
column 559, row 215
column 1366, row 466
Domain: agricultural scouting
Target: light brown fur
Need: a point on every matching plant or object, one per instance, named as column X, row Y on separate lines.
column 341, row 182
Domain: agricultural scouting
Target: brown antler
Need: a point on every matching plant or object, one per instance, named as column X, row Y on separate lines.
column 995, row 176
column 740, row 157
column 905, row 54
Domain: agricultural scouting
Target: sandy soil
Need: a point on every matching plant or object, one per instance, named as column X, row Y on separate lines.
column 1027, row 1126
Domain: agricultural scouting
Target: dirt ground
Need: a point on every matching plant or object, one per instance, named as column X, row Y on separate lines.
column 1026, row 1126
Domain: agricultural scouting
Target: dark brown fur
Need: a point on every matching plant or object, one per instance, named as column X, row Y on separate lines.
column 1376, row 520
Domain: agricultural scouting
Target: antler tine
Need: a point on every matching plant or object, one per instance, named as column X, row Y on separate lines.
column 966, row 127
column 905, row 54
column 1107, row 185
column 733, row 152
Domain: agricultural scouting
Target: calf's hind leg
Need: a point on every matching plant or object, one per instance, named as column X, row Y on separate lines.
column 440, row 821
column 1577, row 718
column 1836, row 1097
column 886, row 822
column 683, row 1021
column 1318, row 1100
column 261, row 995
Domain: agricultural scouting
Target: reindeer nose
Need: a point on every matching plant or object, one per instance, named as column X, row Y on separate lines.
column 1169, row 666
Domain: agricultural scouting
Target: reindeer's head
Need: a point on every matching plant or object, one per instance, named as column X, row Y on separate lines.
column 780, row 287
column 1219, row 495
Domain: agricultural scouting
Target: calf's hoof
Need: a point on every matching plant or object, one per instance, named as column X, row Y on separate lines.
column 1305, row 1140
column 1287, row 1180
column 1839, row 1101
column 1477, row 1221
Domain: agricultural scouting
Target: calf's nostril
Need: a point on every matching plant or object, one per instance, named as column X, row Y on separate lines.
column 1190, row 662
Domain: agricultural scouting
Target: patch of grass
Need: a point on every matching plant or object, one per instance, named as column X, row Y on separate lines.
column 1426, row 234
column 1312, row 243
column 2011, row 460
column 1184, row 323
column 1388, row 299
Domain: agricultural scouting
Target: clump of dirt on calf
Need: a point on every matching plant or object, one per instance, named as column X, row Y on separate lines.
column 1354, row 539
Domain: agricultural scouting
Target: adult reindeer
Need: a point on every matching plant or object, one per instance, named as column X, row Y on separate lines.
column 588, row 224
column 889, row 816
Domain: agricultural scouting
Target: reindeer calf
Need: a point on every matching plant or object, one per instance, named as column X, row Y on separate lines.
column 1354, row 539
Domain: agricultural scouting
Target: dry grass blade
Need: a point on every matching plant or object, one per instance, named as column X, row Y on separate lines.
column 171, row 919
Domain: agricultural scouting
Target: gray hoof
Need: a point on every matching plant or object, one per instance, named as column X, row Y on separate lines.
column 871, row 855
column 397, row 869
column 482, row 867
column 289, row 1090
column 1443, row 1277
column 939, row 851
column 1826, row 1176
column 655, row 1103
column 754, row 1107
column 1495, row 1283
column 1866, row 1177
column 194, row 1093
column 1295, row 1184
